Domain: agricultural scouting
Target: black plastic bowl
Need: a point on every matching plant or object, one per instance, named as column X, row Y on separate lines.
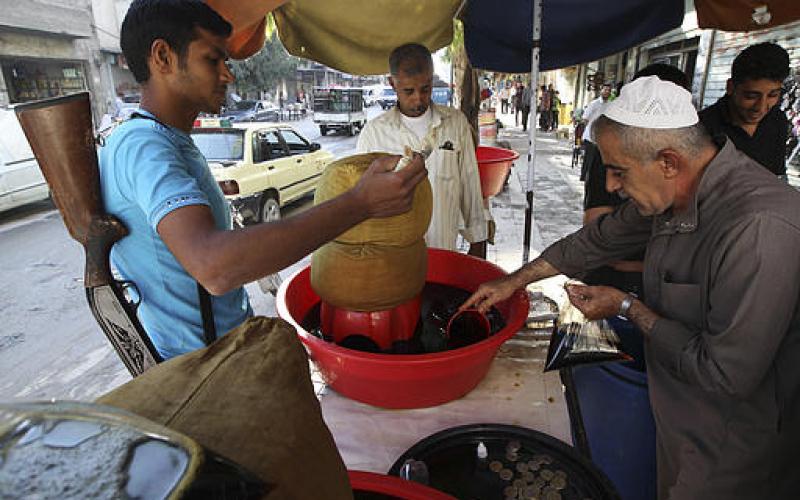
column 453, row 466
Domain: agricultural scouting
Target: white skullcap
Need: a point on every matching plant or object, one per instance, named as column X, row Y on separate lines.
column 650, row 102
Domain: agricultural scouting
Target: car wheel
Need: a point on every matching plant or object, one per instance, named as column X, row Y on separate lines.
column 323, row 130
column 270, row 209
column 351, row 130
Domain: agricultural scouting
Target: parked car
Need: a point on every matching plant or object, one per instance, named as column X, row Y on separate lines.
column 260, row 167
column 252, row 111
column 371, row 95
column 339, row 109
column 21, row 180
column 387, row 98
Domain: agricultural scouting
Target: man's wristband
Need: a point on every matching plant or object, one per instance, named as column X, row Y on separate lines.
column 625, row 306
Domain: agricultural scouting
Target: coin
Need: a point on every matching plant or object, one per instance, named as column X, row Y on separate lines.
column 506, row 474
column 518, row 483
column 561, row 474
column 522, row 466
column 528, row 476
column 559, row 483
column 531, row 491
column 547, row 474
column 547, row 459
column 512, row 456
column 533, row 465
column 510, row 491
column 513, row 446
column 495, row 466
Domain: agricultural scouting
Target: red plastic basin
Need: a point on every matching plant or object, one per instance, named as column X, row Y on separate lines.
column 390, row 485
column 407, row 380
column 493, row 167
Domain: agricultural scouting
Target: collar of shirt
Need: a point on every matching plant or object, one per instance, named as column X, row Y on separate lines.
column 725, row 119
column 686, row 221
column 437, row 118
column 170, row 130
column 418, row 124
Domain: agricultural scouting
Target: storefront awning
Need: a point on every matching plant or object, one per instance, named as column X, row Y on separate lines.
column 573, row 31
column 356, row 36
column 746, row 15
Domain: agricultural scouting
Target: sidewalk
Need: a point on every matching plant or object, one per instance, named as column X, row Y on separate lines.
column 515, row 391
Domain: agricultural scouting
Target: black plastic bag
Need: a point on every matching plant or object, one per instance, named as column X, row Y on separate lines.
column 576, row 340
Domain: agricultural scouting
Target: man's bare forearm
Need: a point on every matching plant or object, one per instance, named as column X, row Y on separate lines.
column 642, row 316
column 280, row 244
column 536, row 270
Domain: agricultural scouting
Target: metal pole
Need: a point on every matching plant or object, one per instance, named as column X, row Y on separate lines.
column 537, row 37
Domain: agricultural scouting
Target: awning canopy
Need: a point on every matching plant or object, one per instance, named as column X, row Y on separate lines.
column 499, row 38
column 741, row 15
column 356, row 36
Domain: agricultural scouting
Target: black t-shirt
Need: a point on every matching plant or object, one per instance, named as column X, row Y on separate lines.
column 595, row 195
column 594, row 187
column 767, row 146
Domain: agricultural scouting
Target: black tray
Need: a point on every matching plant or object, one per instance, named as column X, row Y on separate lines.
column 454, row 468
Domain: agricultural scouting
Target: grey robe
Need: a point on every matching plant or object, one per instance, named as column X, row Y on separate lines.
column 724, row 359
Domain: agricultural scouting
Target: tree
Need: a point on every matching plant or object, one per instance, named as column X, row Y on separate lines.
column 266, row 69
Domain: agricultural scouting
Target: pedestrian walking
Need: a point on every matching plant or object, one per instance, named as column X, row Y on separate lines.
column 525, row 104
column 504, row 98
column 520, row 89
column 554, row 104
column 545, row 101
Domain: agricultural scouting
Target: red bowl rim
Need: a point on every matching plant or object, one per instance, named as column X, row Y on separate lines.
column 393, row 485
column 511, row 156
column 493, row 342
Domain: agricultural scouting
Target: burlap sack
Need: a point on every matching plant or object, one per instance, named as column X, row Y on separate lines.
column 368, row 277
column 401, row 230
column 248, row 397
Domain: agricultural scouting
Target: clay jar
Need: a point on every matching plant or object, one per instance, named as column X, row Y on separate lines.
column 379, row 263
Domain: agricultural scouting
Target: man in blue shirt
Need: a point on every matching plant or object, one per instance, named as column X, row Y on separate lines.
column 158, row 184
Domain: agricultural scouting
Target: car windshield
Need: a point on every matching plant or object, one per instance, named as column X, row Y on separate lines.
column 220, row 144
column 388, row 92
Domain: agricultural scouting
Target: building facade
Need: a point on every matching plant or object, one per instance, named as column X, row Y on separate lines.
column 58, row 47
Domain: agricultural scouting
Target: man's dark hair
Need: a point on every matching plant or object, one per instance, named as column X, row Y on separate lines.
column 412, row 57
column 173, row 21
column 765, row 60
column 665, row 72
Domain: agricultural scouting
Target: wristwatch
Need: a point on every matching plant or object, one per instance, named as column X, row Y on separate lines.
column 625, row 306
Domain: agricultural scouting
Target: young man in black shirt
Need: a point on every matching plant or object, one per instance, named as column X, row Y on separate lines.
column 748, row 112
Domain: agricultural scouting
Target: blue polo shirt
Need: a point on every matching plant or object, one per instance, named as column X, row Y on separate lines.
column 147, row 170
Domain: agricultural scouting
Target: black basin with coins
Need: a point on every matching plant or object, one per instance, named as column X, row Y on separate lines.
column 521, row 463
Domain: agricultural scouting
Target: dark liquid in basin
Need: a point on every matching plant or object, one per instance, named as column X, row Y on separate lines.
column 439, row 304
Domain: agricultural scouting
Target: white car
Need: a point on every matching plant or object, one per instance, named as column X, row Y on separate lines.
column 21, row 181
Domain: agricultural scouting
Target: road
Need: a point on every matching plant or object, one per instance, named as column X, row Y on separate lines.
column 50, row 345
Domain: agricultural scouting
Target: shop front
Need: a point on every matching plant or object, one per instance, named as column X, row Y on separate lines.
column 33, row 79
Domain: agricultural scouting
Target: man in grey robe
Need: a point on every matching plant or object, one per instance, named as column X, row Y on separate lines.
column 721, row 322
